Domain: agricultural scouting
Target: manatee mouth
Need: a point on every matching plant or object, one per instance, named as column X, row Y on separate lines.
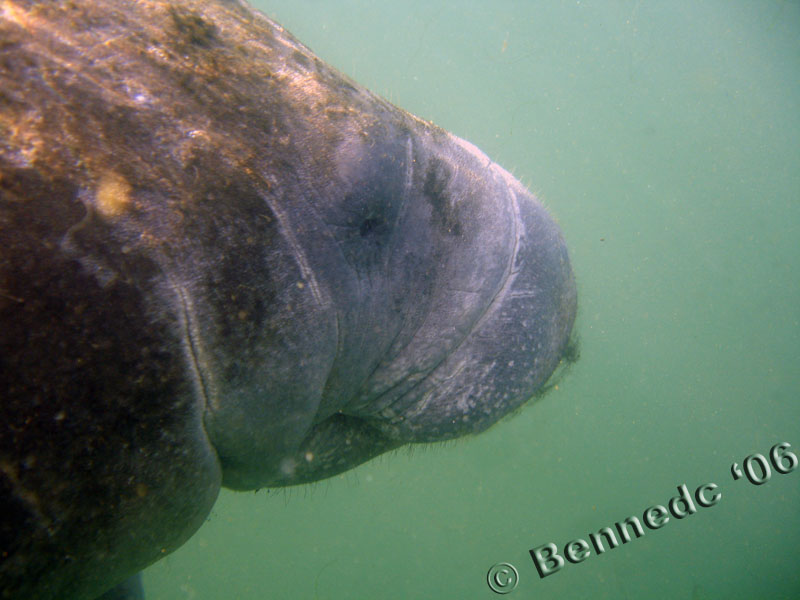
column 333, row 446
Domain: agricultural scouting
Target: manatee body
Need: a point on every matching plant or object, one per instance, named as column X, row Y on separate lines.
column 224, row 263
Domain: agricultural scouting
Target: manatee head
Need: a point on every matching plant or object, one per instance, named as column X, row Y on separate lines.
column 225, row 263
column 426, row 294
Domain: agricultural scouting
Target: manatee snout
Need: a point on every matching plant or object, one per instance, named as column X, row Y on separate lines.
column 516, row 298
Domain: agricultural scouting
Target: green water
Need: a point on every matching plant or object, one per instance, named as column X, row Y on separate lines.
column 665, row 138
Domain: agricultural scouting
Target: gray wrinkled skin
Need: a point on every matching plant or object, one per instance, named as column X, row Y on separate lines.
column 224, row 263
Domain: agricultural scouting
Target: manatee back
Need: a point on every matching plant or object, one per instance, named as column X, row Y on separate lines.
column 104, row 464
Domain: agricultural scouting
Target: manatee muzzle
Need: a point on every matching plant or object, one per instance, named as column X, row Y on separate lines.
column 500, row 356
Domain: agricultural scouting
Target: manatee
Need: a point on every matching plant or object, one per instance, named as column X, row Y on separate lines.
column 223, row 263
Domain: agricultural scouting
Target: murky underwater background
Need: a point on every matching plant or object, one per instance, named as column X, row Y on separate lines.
column 665, row 139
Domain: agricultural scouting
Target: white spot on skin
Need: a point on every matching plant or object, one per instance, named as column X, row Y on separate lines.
column 288, row 466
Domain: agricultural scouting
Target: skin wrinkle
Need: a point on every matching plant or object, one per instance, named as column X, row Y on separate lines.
column 422, row 403
column 298, row 253
column 30, row 498
column 510, row 273
column 193, row 345
column 399, row 219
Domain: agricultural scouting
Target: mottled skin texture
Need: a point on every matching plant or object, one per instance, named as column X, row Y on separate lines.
column 224, row 263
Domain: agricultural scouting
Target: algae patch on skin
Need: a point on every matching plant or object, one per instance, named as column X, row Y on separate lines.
column 113, row 195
